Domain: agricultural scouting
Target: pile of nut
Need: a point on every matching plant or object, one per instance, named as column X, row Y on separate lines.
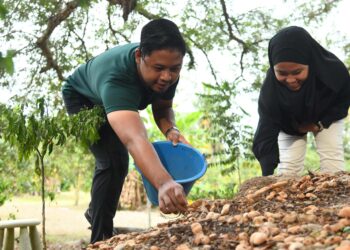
column 311, row 212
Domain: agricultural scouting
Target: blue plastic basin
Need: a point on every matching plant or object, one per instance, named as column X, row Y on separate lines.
column 184, row 163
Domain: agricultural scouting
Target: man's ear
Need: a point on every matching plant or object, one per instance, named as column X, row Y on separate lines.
column 138, row 56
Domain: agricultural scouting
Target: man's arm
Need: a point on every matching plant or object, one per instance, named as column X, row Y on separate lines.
column 164, row 117
column 131, row 131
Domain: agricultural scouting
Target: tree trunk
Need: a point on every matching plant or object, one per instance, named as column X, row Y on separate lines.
column 77, row 188
column 43, row 197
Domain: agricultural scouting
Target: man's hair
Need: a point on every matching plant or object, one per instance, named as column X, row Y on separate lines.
column 161, row 34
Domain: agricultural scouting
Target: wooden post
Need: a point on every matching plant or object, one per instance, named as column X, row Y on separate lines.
column 24, row 243
column 34, row 238
column 9, row 239
column 2, row 231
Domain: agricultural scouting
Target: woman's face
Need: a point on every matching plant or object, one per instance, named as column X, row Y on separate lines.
column 291, row 74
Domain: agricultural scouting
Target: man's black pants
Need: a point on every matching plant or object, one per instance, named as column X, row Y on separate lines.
column 111, row 168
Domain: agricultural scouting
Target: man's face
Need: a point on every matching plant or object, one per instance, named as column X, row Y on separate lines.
column 291, row 74
column 160, row 69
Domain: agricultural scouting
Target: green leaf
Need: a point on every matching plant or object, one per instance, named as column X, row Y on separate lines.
column 51, row 195
column 6, row 63
column 50, row 148
column 84, row 3
column 3, row 11
column 37, row 165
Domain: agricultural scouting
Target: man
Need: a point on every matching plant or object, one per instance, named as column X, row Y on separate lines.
column 123, row 80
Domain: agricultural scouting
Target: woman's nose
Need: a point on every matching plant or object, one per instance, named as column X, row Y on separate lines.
column 290, row 79
column 165, row 75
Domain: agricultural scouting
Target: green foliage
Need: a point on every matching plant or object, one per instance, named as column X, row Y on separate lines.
column 190, row 125
column 346, row 229
column 5, row 170
column 3, row 11
column 40, row 132
column 313, row 9
column 84, row 3
column 230, row 138
column 73, row 32
column 36, row 132
column 19, row 177
column 16, row 176
column 312, row 159
column 71, row 166
column 347, row 140
column 4, row 189
column 218, row 185
column 6, row 63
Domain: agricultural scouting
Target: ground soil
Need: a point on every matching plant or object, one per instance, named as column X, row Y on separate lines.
column 311, row 212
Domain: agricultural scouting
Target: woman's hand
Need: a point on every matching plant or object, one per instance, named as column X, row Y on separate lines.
column 308, row 127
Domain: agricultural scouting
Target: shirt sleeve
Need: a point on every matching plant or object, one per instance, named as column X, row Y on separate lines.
column 120, row 97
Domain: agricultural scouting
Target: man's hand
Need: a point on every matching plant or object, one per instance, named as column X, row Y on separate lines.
column 309, row 127
column 175, row 137
column 164, row 117
column 172, row 198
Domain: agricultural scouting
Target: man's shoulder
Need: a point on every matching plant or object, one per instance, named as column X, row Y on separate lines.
column 124, row 48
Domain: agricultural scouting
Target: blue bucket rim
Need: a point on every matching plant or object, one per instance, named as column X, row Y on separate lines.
column 195, row 177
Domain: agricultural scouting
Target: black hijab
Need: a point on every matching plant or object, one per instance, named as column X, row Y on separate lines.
column 327, row 74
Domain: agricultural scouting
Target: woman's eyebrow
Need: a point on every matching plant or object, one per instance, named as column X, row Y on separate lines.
column 286, row 71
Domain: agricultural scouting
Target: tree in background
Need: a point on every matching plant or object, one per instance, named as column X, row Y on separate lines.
column 14, row 174
column 36, row 133
column 46, row 40
column 50, row 38
column 70, row 168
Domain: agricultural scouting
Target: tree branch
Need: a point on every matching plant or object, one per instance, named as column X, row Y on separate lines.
column 229, row 26
column 127, row 5
column 232, row 36
column 81, row 38
column 43, row 41
column 320, row 10
column 145, row 13
column 208, row 60
column 114, row 31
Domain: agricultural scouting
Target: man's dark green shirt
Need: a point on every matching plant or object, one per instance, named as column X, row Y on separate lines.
column 111, row 80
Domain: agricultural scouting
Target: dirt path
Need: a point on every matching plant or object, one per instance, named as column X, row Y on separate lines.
column 66, row 222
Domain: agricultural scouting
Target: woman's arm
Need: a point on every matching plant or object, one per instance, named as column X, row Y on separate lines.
column 265, row 146
column 265, row 143
column 340, row 109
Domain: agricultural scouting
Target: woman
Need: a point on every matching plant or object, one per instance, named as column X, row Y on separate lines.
column 306, row 89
